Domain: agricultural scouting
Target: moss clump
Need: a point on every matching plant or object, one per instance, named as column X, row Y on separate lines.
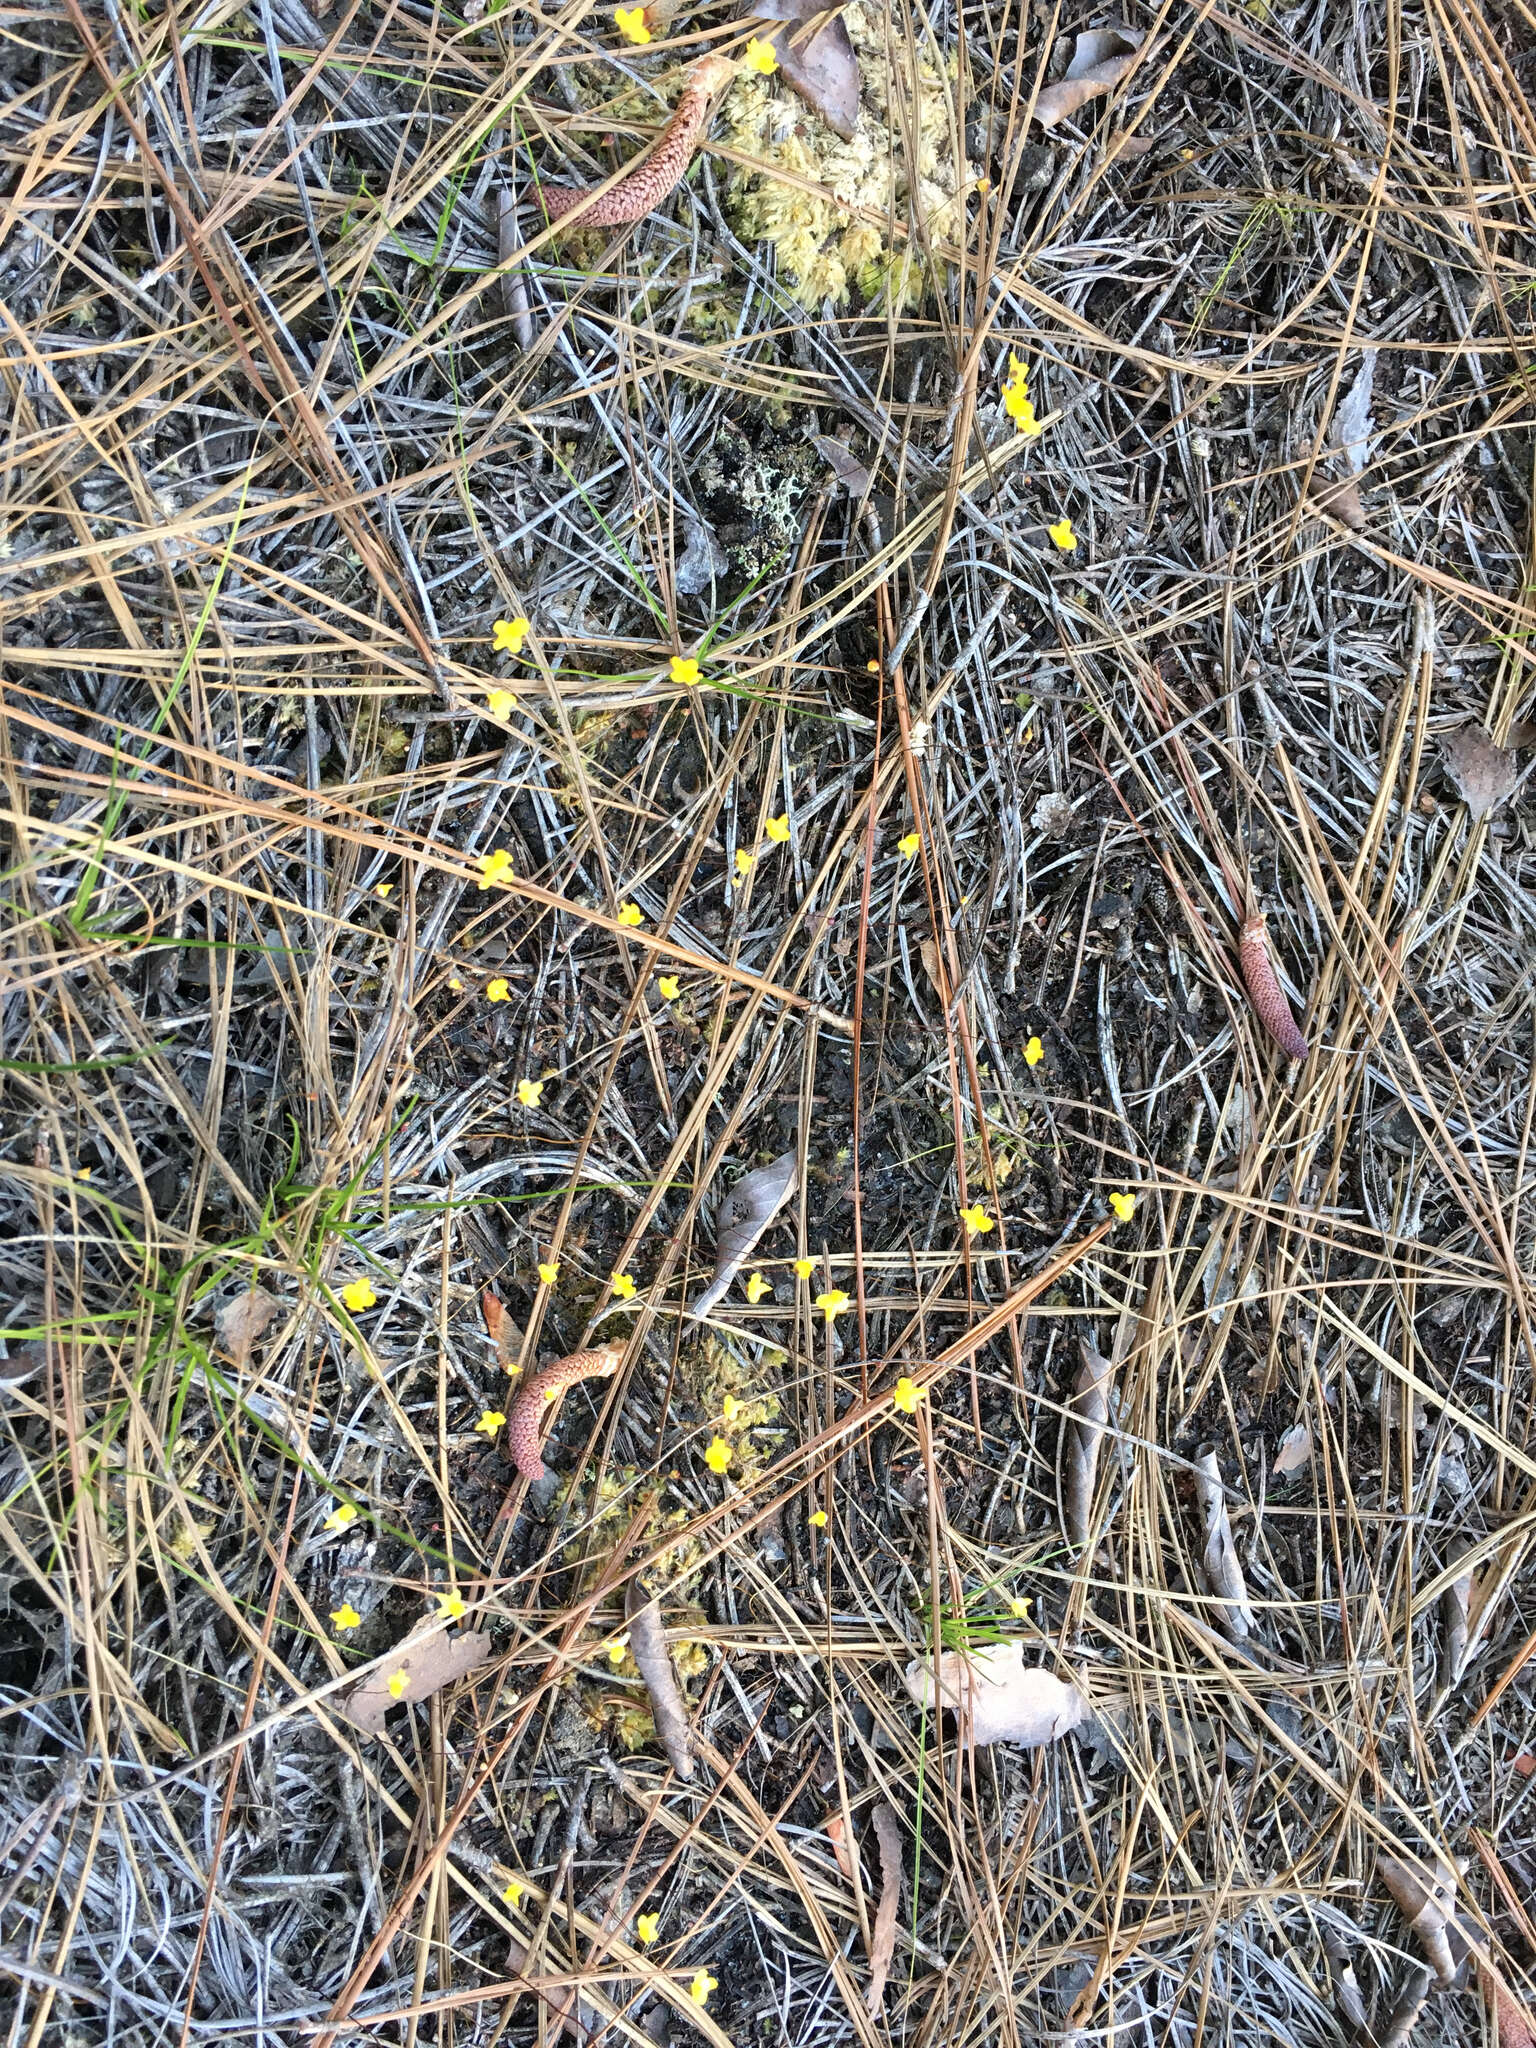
column 753, row 489
column 825, row 248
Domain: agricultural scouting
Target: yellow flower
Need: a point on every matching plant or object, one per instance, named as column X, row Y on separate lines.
column 398, row 1681
column 760, row 57
column 499, row 990
column 631, row 914
column 1018, row 1608
column 832, row 1303
column 495, row 867
column 685, row 669
column 647, row 1927
column 339, row 1518
column 451, row 1606
column 490, row 1421
column 907, row 1395
column 384, row 889
column 718, row 1456
column 907, row 845
column 456, row 983
column 508, row 635
column 1016, row 400
column 501, row 703
column 730, row 1408
column 512, row 1892
column 345, row 1616
column 528, row 1093
column 804, row 1268
column 616, row 1649
column 757, row 1287
column 623, row 1285
column 1063, row 535
column 777, row 829
column 976, row 1220
column 1034, row 1053
column 549, row 1271
column 702, row 1986
column 745, row 862
column 630, row 22
column 1124, row 1206
column 819, row 1519
column 667, row 983
column 359, row 1294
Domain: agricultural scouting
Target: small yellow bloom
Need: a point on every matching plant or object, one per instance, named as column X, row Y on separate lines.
column 623, row 1285
column 451, row 1606
column 508, row 635
column 907, row 845
column 718, row 1456
column 1034, row 1053
column 907, row 1395
column 501, row 703
column 745, row 862
column 499, row 990
column 359, row 1294
column 832, row 1304
column 529, row 1092
column 760, row 57
column 495, row 867
column 1063, row 535
column 804, row 1268
column 777, row 829
column 819, row 1518
column 730, row 1408
column 631, row 914
column 490, row 1421
column 873, row 667
column 1124, row 1206
column 456, row 983
column 757, row 1287
column 630, row 22
column 398, row 1681
column 685, row 669
column 668, row 985
column 976, row 1220
column 617, row 1648
column 512, row 1892
column 1018, row 1608
column 344, row 1617
column 339, row 1518
column 549, row 1271
column 647, row 1927
column 384, row 889
column 702, row 1986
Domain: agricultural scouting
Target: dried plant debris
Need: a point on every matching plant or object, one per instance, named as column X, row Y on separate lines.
column 653, row 1660
column 1223, row 1571
column 882, row 1943
column 1103, row 57
column 823, row 66
column 996, row 1698
column 1294, row 1453
column 420, row 1666
column 1080, row 1440
column 1426, row 1897
column 1484, row 774
column 1349, row 449
column 242, row 1321
column 742, row 1217
column 1511, row 2024
column 1455, row 1609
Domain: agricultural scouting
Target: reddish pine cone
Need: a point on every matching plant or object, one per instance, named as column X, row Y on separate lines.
column 1264, row 990
column 525, row 1425
column 654, row 176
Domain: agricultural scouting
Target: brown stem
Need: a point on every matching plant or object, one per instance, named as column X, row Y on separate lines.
column 643, row 188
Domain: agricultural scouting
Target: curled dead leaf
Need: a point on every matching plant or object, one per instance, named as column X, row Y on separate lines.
column 996, row 1698
column 242, row 1321
column 420, row 1666
column 1483, row 773
column 1102, row 58
column 837, row 1835
column 822, row 66
column 1295, row 1452
column 648, row 1647
column 1223, row 1571
column 1426, row 1898
column 882, row 1941
column 1081, row 1439
column 744, row 1214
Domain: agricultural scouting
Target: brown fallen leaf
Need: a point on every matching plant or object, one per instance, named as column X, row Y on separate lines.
column 822, row 67
column 1081, row 1439
column 241, row 1322
column 1341, row 500
column 648, row 1647
column 744, row 1214
column 1223, row 1570
column 500, row 1328
column 996, row 1698
column 1426, row 1899
column 426, row 1663
column 837, row 1834
column 882, row 1941
column 1102, row 58
column 1524, row 1763
column 1396, row 2029
column 1455, row 1606
column 1483, row 773
column 1295, row 1452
